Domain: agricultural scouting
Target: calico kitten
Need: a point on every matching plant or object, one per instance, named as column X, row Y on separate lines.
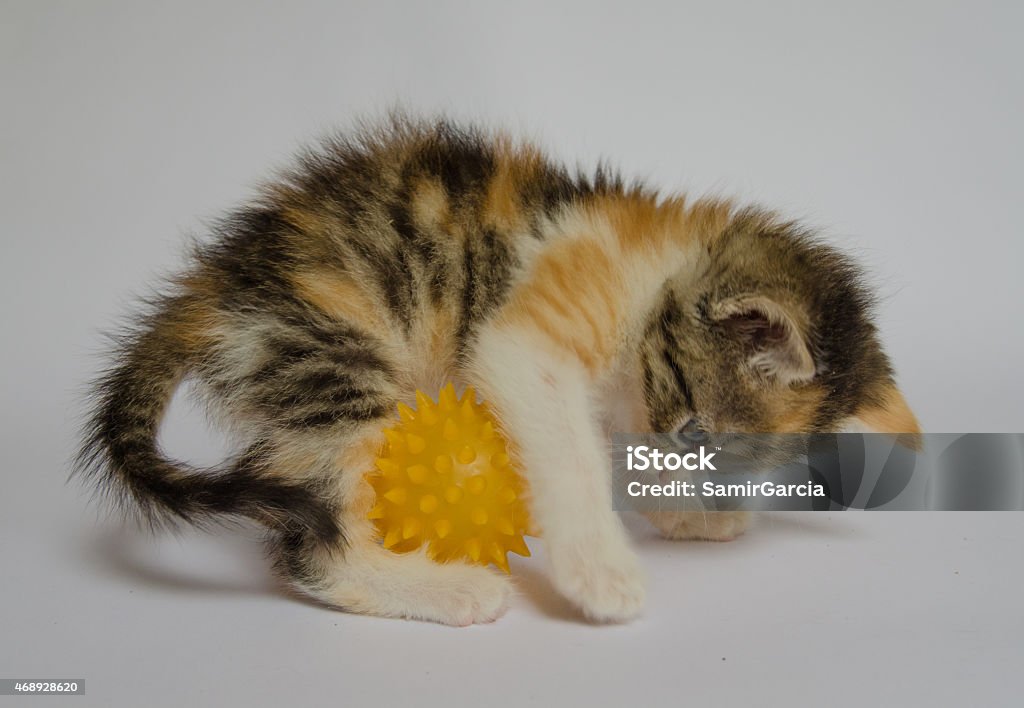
column 418, row 253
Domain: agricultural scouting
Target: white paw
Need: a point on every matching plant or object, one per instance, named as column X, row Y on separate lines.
column 607, row 584
column 468, row 595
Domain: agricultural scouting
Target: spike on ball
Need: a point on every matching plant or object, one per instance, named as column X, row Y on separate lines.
column 445, row 480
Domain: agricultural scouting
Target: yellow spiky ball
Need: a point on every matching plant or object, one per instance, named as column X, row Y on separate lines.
column 445, row 479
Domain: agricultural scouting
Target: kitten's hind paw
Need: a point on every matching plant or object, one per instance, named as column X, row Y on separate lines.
column 702, row 526
column 410, row 586
column 472, row 595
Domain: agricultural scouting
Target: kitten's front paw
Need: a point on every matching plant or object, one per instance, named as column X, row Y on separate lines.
column 607, row 586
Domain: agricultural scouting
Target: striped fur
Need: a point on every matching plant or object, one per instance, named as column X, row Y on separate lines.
column 416, row 253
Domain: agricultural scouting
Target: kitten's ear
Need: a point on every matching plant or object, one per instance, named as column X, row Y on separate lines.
column 778, row 348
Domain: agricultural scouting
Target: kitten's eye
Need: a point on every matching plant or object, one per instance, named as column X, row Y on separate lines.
column 691, row 432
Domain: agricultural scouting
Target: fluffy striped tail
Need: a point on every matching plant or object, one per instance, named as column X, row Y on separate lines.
column 120, row 453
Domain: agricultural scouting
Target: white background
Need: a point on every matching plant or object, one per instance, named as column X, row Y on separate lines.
column 894, row 127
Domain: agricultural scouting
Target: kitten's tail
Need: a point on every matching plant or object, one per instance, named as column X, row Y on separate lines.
column 120, row 452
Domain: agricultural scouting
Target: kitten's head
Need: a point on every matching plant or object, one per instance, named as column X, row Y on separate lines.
column 772, row 335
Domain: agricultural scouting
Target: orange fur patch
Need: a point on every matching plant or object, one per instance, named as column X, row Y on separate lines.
column 198, row 319
column 638, row 221
column 515, row 166
column 297, row 211
column 341, row 298
column 891, row 414
column 570, row 297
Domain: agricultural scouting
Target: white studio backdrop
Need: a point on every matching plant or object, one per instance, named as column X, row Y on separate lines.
column 893, row 127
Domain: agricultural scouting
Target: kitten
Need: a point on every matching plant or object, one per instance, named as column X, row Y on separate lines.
column 419, row 253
